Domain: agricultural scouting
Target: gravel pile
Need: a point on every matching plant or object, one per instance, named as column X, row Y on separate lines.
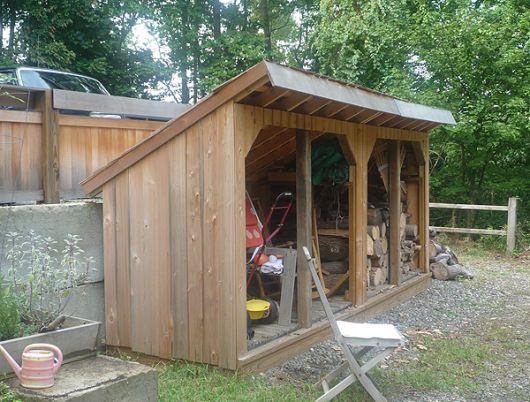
column 448, row 307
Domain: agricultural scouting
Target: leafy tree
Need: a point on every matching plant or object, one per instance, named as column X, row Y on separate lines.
column 474, row 61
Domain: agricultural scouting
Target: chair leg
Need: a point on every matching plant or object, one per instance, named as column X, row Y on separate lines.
column 337, row 389
column 362, row 376
column 328, row 378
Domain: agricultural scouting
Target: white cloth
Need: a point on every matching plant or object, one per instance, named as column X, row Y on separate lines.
column 273, row 266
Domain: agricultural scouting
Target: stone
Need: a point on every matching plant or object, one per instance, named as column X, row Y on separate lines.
column 96, row 379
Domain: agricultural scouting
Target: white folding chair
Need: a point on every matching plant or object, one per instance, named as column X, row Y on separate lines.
column 381, row 338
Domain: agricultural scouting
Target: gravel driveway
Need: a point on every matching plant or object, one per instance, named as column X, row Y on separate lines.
column 491, row 311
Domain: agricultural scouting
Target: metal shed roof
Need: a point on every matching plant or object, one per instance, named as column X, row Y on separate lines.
column 279, row 87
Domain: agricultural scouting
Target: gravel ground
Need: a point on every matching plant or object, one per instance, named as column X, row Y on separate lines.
column 498, row 296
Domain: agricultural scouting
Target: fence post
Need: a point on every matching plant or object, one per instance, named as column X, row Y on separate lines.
column 50, row 148
column 512, row 224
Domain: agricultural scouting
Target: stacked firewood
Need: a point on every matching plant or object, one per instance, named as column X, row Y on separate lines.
column 377, row 246
column 444, row 263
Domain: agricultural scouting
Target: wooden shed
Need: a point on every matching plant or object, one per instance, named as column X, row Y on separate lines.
column 174, row 213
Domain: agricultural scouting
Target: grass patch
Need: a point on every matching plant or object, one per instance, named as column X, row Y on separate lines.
column 198, row 382
column 446, row 365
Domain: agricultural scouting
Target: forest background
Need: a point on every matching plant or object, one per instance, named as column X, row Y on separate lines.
column 468, row 56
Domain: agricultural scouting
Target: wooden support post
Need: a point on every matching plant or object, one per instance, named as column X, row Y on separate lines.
column 394, row 191
column 512, row 224
column 423, row 218
column 50, row 148
column 303, row 225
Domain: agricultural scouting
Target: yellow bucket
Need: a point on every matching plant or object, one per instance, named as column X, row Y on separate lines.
column 257, row 308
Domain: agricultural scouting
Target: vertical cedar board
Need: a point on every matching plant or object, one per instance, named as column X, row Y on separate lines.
column 109, row 262
column 123, row 279
column 179, row 248
column 150, row 274
column 225, row 247
column 213, row 156
column 141, row 320
column 245, row 125
column 194, row 226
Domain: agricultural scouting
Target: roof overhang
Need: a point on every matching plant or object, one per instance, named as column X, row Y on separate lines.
column 279, row 87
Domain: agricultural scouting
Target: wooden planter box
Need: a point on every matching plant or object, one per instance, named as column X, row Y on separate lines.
column 77, row 339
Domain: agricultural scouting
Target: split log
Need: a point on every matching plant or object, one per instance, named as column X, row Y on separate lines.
column 377, row 277
column 333, row 248
column 402, row 225
column 382, row 229
column 374, row 232
column 377, row 261
column 441, row 257
column 384, row 244
column 445, row 272
column 335, row 267
column 375, row 216
column 378, row 248
column 369, row 246
column 411, row 231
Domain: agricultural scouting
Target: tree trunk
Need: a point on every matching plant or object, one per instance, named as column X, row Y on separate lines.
column 216, row 10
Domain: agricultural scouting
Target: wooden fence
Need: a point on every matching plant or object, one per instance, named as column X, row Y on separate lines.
column 511, row 208
column 47, row 147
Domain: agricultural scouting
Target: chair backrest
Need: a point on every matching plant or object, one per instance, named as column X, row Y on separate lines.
column 323, row 297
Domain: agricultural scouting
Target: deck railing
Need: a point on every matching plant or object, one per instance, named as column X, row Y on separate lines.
column 511, row 208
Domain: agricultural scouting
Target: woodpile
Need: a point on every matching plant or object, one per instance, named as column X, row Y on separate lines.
column 377, row 250
column 444, row 263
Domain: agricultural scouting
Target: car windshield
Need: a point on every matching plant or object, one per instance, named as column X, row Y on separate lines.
column 48, row 79
column 8, row 77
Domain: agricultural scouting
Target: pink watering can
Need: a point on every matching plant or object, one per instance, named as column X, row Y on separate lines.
column 40, row 361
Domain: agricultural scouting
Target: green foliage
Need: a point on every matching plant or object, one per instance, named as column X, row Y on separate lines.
column 7, row 395
column 9, row 315
column 470, row 57
column 40, row 278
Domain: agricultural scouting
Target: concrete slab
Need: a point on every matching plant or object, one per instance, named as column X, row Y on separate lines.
column 96, row 379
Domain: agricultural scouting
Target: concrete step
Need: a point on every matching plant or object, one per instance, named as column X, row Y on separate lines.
column 96, row 379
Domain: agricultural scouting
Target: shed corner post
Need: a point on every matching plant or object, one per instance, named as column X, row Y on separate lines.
column 303, row 225
column 423, row 219
column 50, row 147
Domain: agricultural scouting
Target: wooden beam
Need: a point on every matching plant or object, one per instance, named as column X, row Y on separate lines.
column 89, row 102
column 50, row 148
column 394, row 191
column 303, row 225
column 498, row 232
column 468, row 206
column 417, row 149
column 312, row 106
column 293, row 101
column 269, row 97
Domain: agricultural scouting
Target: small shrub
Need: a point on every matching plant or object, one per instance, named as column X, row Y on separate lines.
column 6, row 395
column 41, row 278
column 9, row 315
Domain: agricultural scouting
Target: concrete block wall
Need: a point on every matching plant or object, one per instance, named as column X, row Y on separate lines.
column 56, row 221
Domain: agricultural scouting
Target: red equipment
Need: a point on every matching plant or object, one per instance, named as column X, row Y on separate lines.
column 251, row 215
